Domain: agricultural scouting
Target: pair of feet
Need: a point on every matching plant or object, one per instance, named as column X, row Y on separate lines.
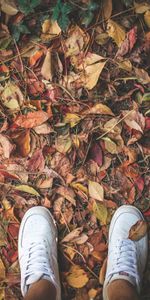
column 38, row 249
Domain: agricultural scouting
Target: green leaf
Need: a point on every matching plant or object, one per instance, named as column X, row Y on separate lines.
column 27, row 189
column 100, row 211
column 146, row 97
column 18, row 29
column 27, row 6
column 87, row 19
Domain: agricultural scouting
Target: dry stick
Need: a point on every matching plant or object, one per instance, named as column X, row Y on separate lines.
column 83, row 260
column 19, row 56
column 105, row 133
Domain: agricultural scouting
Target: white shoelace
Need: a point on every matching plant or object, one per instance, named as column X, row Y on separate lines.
column 125, row 259
column 37, row 262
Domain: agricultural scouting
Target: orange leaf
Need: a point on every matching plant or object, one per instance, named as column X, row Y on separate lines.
column 23, row 143
column 35, row 57
column 32, row 119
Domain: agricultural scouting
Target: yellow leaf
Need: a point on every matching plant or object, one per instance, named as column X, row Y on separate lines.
column 2, row 294
column 12, row 97
column 107, row 9
column 50, row 29
column 2, row 270
column 77, row 277
column 138, row 230
column 91, row 75
column 27, row 189
column 147, row 18
column 116, row 32
column 80, row 187
column 63, row 143
column 96, row 191
column 100, row 211
column 72, row 119
column 92, row 293
column 101, row 38
column 9, row 7
column 125, row 65
column 75, row 140
column 110, row 146
column 141, row 8
column 99, row 108
column 70, row 252
column 46, row 69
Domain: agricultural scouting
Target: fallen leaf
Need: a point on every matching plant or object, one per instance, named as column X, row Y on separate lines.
column 141, row 8
column 46, row 69
column 103, row 272
column 147, row 18
column 63, row 143
column 129, row 42
column 43, row 129
column 96, row 154
column 27, row 189
column 73, row 234
column 99, row 108
column 2, row 271
column 91, row 74
column 8, row 7
column 67, row 193
column 36, row 162
column 96, row 191
column 92, row 293
column 77, row 277
column 142, row 75
column 100, row 211
column 12, row 96
column 50, row 29
column 22, row 140
column 6, row 146
column 31, row 119
column 138, row 230
column 76, row 42
column 125, row 65
column 107, row 9
column 72, row 119
column 135, row 120
column 110, row 145
column 116, row 32
column 35, row 57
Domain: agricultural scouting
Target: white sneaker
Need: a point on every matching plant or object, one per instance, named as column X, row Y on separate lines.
column 126, row 258
column 37, row 247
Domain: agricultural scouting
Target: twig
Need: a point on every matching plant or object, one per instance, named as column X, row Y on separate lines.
column 108, row 131
column 19, row 56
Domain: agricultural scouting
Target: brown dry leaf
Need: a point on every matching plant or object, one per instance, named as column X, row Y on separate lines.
column 116, row 32
column 43, row 129
column 107, row 9
column 125, row 65
column 31, row 119
column 76, row 42
column 23, row 142
column 70, row 252
column 73, row 234
column 141, row 8
column 91, row 75
column 6, row 146
column 142, row 75
column 67, row 193
column 8, row 7
column 2, row 270
column 135, row 120
column 103, row 272
column 77, row 277
column 81, row 239
column 50, row 29
column 96, row 191
column 99, row 108
column 138, row 230
column 46, row 69
column 147, row 18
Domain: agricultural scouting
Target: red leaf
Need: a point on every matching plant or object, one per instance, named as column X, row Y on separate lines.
column 31, row 119
column 128, row 43
column 139, row 183
column 96, row 154
column 147, row 213
column 37, row 161
column 147, row 125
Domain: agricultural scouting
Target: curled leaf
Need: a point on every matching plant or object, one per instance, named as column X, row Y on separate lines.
column 138, row 230
column 27, row 189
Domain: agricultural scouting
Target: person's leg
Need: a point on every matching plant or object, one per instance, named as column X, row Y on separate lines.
column 121, row 290
column 41, row 290
column 37, row 247
column 126, row 258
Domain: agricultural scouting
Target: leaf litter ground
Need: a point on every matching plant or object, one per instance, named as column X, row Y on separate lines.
column 74, row 130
